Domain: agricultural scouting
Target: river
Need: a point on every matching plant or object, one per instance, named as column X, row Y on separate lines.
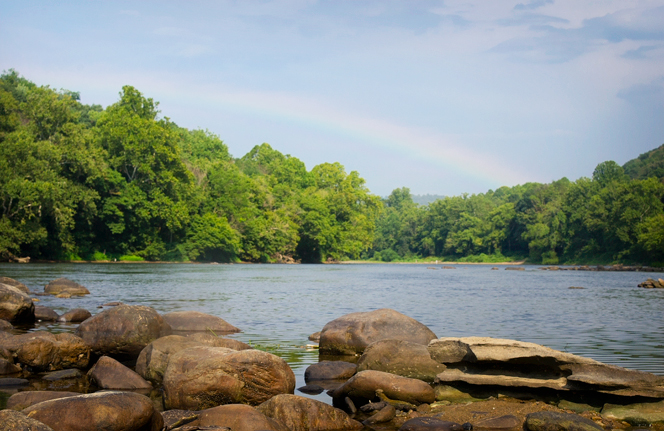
column 279, row 306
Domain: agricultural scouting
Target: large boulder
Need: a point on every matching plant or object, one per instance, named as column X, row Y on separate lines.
column 511, row 363
column 202, row 377
column 11, row 420
column 23, row 400
column 45, row 314
column 364, row 384
column 352, row 333
column 123, row 331
column 152, row 361
column 109, row 411
column 15, row 306
column 237, row 417
column 400, row 357
column 189, row 321
column 330, row 370
column 14, row 283
column 63, row 285
column 304, row 414
column 44, row 351
column 108, row 373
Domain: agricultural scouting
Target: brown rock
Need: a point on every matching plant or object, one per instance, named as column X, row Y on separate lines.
column 238, row 417
column 63, row 285
column 123, row 331
column 11, row 420
column 15, row 306
column 383, row 415
column 365, row 383
column 45, row 314
column 330, row 370
column 76, row 315
column 152, row 360
column 502, row 423
column 17, row 284
column 402, row 358
column 109, row 411
column 304, row 414
column 5, row 326
column 71, row 373
column 25, row 399
column 207, row 339
column 44, row 351
column 187, row 321
column 449, row 351
column 8, row 368
column 108, row 373
column 352, row 333
column 315, row 337
column 429, row 424
column 200, row 377
column 554, row 421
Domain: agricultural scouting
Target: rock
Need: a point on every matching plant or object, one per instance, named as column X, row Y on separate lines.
column 201, row 377
column 8, row 368
column 152, row 360
column 315, row 337
column 15, row 306
column 71, row 373
column 330, row 370
column 122, row 331
column 17, row 284
column 352, row 333
column 429, row 424
column 108, row 373
column 109, row 411
column 642, row 414
column 453, row 395
column 383, row 415
column 515, row 268
column 186, row 321
column 45, row 314
column 175, row 418
column 402, row 358
column 365, row 383
column 207, row 339
column 502, row 423
column 43, row 351
column 25, row 399
column 449, row 351
column 304, row 414
column 311, row 389
column 577, row 407
column 5, row 326
column 10, row 382
column 238, row 417
column 554, row 421
column 63, row 285
column 76, row 315
column 11, row 420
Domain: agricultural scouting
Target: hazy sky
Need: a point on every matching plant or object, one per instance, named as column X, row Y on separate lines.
column 443, row 97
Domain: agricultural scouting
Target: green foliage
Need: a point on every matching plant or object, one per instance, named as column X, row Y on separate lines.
column 130, row 258
column 647, row 165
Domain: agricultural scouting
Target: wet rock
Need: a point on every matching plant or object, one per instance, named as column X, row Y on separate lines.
column 330, row 370
column 108, row 373
column 352, row 333
column 15, row 305
column 63, row 285
column 304, row 414
column 383, row 415
column 238, row 417
column 365, row 383
column 372, row 407
column 402, row 358
column 502, row 423
column 71, row 373
column 186, row 321
column 5, row 325
column 648, row 284
column 76, row 315
column 123, row 331
column 23, row 400
column 429, row 424
column 11, row 382
column 8, row 368
column 207, row 339
column 315, row 337
column 449, row 351
column 45, row 314
column 175, row 418
column 641, row 414
column 311, row 389
column 554, row 421
column 577, row 407
column 109, row 411
column 515, row 268
column 14, row 283
column 200, row 377
column 453, row 395
column 43, row 351
column 11, row 420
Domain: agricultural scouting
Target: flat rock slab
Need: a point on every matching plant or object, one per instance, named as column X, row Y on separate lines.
column 555, row 421
column 636, row 414
column 502, row 423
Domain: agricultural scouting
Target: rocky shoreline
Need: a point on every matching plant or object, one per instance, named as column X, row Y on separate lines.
column 130, row 368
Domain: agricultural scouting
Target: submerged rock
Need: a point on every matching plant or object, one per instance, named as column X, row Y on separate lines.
column 76, row 315
column 64, row 285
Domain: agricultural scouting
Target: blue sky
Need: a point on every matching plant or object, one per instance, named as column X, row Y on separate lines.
column 443, row 97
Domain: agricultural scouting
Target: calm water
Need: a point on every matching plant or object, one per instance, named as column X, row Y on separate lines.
column 279, row 306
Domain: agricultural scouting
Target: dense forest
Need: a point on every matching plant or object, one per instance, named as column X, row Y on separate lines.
column 80, row 182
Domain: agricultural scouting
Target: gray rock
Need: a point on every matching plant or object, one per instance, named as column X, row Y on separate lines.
column 554, row 421
column 502, row 423
column 352, row 333
column 383, row 415
column 636, row 414
column 71, row 373
column 45, row 314
column 402, row 358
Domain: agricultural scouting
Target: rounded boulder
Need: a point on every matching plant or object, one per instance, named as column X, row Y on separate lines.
column 304, row 414
column 76, row 315
column 108, row 373
column 45, row 314
column 64, row 285
column 190, row 321
column 14, row 283
column 11, row 420
column 352, row 333
column 15, row 305
column 44, row 351
column 365, row 383
column 402, row 358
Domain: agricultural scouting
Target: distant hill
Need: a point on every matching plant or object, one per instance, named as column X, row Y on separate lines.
column 425, row 199
column 650, row 164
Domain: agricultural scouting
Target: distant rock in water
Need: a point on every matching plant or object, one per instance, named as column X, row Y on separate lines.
column 653, row 284
column 65, row 286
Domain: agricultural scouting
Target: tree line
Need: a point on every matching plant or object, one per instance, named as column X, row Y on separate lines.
column 83, row 182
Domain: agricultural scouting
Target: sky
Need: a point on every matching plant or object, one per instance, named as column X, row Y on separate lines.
column 442, row 97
